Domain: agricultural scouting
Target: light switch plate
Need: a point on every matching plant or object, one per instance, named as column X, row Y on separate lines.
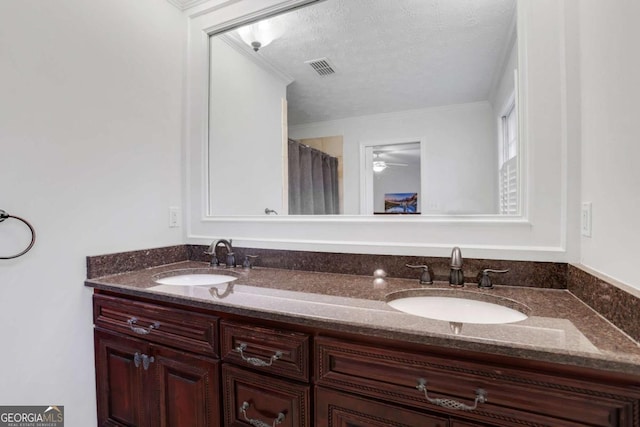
column 585, row 219
column 174, row 217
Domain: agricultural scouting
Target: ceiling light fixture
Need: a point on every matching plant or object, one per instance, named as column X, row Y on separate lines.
column 259, row 34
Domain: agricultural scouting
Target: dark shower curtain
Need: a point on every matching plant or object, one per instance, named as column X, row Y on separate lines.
column 313, row 181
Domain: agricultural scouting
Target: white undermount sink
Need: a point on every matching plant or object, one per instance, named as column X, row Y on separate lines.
column 196, row 279
column 458, row 306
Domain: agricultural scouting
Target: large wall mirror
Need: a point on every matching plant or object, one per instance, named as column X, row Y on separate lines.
column 311, row 110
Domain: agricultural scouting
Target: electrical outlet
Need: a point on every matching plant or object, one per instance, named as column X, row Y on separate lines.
column 174, row 217
column 585, row 219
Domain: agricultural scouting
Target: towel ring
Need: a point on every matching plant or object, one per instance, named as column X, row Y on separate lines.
column 3, row 216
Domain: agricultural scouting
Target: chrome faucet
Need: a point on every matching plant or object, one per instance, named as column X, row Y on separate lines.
column 231, row 258
column 456, row 276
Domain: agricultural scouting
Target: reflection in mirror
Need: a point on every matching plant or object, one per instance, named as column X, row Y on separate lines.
column 392, row 178
column 315, row 176
column 362, row 71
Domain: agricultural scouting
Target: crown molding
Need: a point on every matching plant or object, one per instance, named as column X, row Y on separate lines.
column 186, row 4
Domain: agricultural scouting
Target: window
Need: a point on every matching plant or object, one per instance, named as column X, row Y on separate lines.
column 509, row 162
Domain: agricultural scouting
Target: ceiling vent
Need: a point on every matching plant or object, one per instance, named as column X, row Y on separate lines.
column 322, row 66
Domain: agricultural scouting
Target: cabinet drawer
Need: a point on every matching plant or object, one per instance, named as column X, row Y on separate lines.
column 337, row 409
column 173, row 327
column 270, row 350
column 514, row 396
column 255, row 399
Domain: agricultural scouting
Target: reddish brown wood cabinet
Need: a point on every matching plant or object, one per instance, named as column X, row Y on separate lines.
column 163, row 370
column 256, row 399
column 121, row 385
column 265, row 375
column 337, row 409
column 512, row 395
column 141, row 383
column 187, row 387
column 173, row 327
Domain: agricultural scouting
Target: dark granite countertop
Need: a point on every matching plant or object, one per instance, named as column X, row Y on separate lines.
column 560, row 327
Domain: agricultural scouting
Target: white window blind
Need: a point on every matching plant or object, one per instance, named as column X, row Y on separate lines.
column 509, row 163
column 509, row 187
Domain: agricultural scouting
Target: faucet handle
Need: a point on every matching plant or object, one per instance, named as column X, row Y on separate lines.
column 231, row 259
column 485, row 280
column 248, row 261
column 214, row 258
column 426, row 278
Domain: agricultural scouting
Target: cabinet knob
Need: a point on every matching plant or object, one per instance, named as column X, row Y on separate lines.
column 258, row 423
column 254, row 360
column 481, row 397
column 142, row 359
column 146, row 361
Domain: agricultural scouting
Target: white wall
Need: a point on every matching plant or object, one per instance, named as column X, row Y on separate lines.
column 609, row 68
column 461, row 152
column 90, row 130
column 500, row 97
column 245, row 123
column 395, row 179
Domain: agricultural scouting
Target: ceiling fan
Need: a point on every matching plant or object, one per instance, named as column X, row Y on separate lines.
column 379, row 164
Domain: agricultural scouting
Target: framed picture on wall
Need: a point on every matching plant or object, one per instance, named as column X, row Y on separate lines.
column 401, row 203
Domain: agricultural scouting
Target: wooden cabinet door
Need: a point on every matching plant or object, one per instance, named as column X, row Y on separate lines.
column 336, row 409
column 120, row 384
column 172, row 389
column 187, row 389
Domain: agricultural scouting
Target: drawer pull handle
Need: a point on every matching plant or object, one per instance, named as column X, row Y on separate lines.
column 481, row 397
column 258, row 423
column 139, row 329
column 142, row 359
column 254, row 360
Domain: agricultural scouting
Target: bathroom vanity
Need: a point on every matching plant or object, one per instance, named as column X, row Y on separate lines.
column 295, row 348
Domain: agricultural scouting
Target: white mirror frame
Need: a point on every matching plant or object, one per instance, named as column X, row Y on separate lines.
column 540, row 234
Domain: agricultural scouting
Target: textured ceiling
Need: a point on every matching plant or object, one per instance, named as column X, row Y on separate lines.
column 390, row 55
